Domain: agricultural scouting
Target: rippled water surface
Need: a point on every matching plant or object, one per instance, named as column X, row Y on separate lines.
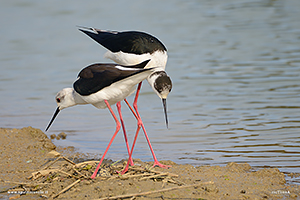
column 235, row 68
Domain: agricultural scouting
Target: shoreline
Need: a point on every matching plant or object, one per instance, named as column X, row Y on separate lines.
column 26, row 153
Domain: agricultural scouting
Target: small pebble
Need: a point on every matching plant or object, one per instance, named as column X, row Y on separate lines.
column 53, row 136
column 62, row 135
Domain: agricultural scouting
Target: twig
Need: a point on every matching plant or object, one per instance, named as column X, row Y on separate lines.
column 80, row 173
column 67, row 174
column 59, row 157
column 68, row 160
column 127, row 174
column 153, row 171
column 159, row 172
column 179, row 182
column 84, row 163
column 155, row 176
column 134, row 176
column 156, row 191
column 65, row 189
column 115, row 162
column 38, row 174
column 170, row 180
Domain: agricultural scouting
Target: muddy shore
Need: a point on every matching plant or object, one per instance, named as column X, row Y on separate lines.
column 29, row 171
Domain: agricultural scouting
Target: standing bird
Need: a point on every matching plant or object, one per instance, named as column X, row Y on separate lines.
column 132, row 47
column 102, row 85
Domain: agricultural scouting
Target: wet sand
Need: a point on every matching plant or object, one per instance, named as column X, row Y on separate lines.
column 29, row 171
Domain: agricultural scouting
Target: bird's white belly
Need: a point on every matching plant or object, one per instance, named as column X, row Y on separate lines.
column 112, row 95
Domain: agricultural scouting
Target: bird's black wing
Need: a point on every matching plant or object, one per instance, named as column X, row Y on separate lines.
column 98, row 76
column 135, row 42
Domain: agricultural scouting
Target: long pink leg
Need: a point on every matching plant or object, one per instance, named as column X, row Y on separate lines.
column 124, row 130
column 118, row 126
column 130, row 154
column 156, row 163
column 140, row 124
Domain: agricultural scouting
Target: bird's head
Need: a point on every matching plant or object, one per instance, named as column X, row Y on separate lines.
column 64, row 99
column 162, row 85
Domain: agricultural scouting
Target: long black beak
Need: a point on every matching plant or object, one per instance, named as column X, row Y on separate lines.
column 165, row 110
column 54, row 116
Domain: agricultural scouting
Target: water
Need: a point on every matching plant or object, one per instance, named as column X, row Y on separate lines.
column 235, row 68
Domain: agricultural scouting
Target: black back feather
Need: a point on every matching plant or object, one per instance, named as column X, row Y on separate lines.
column 128, row 41
column 95, row 77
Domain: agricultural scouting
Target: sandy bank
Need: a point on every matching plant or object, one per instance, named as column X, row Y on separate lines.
column 28, row 171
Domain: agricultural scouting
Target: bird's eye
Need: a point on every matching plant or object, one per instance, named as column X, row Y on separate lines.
column 58, row 100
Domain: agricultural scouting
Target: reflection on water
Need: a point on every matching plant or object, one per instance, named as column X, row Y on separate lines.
column 235, row 66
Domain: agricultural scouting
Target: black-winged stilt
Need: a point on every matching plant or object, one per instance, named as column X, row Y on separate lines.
column 102, row 85
column 129, row 48
column 133, row 47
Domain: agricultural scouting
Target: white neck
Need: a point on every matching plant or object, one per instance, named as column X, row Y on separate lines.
column 77, row 98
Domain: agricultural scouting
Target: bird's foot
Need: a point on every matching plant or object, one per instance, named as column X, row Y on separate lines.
column 156, row 163
column 123, row 171
column 126, row 167
column 94, row 175
column 131, row 162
